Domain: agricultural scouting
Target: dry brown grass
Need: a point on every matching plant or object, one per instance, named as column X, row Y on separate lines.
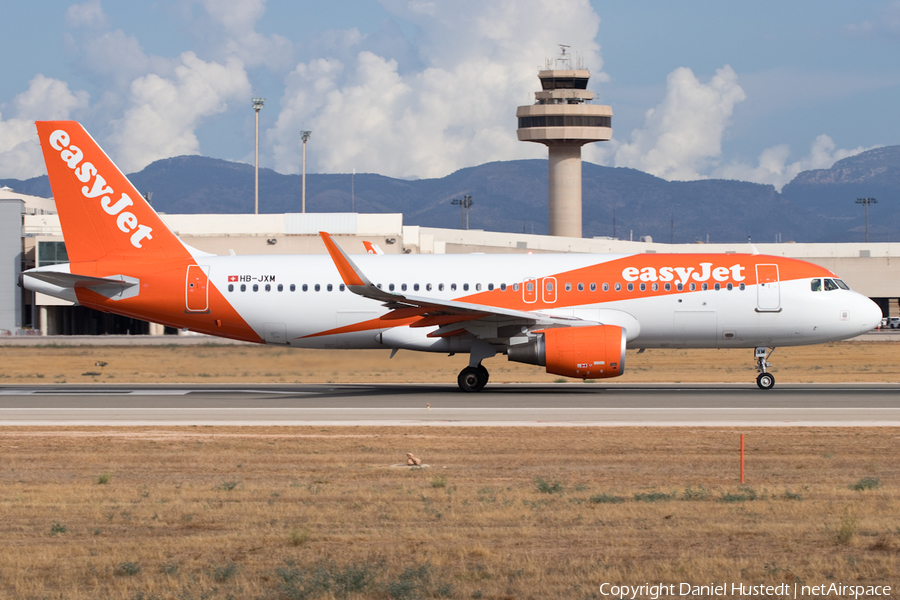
column 839, row 362
column 202, row 512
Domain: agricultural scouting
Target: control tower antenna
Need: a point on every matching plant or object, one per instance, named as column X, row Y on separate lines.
column 563, row 120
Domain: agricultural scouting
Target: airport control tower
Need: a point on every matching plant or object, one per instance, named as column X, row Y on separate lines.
column 563, row 120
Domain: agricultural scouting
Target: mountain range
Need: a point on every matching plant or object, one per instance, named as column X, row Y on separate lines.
column 511, row 196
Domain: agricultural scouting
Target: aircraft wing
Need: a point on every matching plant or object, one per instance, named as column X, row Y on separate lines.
column 451, row 315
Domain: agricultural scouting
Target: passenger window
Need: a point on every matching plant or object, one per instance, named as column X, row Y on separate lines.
column 402, row 287
column 679, row 287
column 693, row 287
column 280, row 288
column 668, row 287
column 391, row 287
column 243, row 287
column 816, row 285
column 477, row 287
column 440, row 287
column 618, row 287
column 465, row 287
column 230, row 287
column 502, row 287
column 318, row 287
column 655, row 286
column 428, row 287
column 630, row 287
column 415, row 287
column 342, row 287
column 305, row 288
column 593, row 287
column 329, row 287
column 490, row 287
column 293, row 287
column 729, row 287
column 255, row 287
column 605, row 287
column 718, row 286
column 704, row 287
column 268, row 287
column 643, row 287
column 580, row 287
column 452, row 287
column 742, row 287
column 830, row 286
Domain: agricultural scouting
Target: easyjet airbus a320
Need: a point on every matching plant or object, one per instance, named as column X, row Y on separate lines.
column 573, row 314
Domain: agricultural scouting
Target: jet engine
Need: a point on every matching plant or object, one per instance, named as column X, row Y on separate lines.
column 594, row 352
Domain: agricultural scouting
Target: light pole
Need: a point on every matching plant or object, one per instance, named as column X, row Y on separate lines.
column 304, row 135
column 867, row 202
column 257, row 106
column 464, row 203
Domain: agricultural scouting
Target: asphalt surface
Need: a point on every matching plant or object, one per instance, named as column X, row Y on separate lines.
column 574, row 404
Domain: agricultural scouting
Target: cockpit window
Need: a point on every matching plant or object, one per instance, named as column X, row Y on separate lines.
column 830, row 285
column 841, row 284
column 816, row 285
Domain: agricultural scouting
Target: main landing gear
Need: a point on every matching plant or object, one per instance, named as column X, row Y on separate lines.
column 765, row 381
column 473, row 379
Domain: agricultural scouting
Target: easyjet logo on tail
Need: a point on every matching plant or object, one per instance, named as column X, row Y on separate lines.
column 126, row 221
column 685, row 274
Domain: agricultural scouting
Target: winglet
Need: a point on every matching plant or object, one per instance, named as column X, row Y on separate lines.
column 350, row 273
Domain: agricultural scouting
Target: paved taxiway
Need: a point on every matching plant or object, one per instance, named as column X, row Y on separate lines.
column 498, row 404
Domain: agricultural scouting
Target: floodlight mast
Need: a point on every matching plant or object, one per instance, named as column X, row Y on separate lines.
column 867, row 202
column 304, row 135
column 464, row 203
column 257, row 106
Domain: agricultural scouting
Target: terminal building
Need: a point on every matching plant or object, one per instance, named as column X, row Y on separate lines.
column 33, row 237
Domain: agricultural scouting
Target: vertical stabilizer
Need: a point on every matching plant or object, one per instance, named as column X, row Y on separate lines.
column 101, row 212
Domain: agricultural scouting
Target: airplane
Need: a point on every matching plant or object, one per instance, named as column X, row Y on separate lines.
column 573, row 314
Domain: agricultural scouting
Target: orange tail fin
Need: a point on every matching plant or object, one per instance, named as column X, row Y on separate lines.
column 101, row 212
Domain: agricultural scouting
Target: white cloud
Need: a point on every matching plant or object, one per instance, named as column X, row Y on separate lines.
column 238, row 18
column 773, row 166
column 888, row 24
column 682, row 136
column 479, row 60
column 45, row 99
column 165, row 112
column 89, row 14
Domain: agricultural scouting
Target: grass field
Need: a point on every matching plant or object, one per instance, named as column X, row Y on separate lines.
column 289, row 513
column 838, row 362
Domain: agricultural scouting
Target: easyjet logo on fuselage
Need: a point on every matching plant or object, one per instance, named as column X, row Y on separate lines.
column 685, row 274
column 126, row 221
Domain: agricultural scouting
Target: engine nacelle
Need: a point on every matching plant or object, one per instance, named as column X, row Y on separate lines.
column 595, row 352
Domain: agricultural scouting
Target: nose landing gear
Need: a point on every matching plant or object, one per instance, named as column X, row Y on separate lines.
column 765, row 381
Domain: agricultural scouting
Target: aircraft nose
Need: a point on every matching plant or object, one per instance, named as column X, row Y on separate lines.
column 870, row 314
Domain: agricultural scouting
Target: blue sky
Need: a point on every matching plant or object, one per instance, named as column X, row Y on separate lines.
column 418, row 88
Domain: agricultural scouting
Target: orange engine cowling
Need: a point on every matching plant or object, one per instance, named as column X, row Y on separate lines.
column 593, row 352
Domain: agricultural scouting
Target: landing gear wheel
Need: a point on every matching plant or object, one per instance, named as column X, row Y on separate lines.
column 765, row 381
column 472, row 379
column 483, row 373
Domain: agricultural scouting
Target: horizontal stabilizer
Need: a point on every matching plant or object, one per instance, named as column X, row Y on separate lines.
column 71, row 280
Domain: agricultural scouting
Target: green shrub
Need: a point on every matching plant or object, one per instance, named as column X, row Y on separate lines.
column 866, row 483
column 546, row 487
column 606, row 499
column 57, row 528
column 103, row 479
column 127, row 569
column 654, row 497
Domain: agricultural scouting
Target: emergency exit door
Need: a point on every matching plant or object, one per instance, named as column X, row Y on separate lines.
column 196, row 288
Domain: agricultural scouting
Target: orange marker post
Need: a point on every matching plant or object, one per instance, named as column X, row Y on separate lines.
column 742, row 458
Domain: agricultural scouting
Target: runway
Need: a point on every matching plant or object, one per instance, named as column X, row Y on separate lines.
column 574, row 404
